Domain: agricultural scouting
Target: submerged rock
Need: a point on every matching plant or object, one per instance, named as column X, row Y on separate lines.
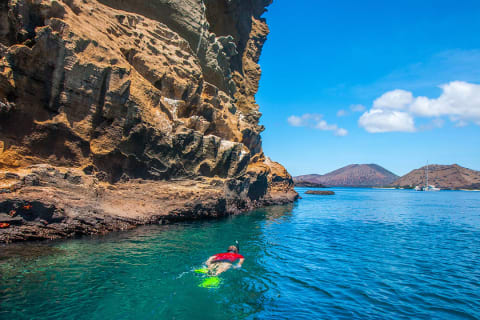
column 320, row 193
column 114, row 114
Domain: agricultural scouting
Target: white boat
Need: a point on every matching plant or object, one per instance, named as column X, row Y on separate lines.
column 429, row 187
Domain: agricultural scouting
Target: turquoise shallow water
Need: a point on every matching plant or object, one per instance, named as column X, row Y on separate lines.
column 361, row 254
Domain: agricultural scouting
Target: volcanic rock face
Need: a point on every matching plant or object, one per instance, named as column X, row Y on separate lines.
column 151, row 95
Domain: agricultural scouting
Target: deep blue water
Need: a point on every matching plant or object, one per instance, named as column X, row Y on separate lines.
column 361, row 254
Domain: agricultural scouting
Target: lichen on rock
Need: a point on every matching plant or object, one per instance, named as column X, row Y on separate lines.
column 132, row 93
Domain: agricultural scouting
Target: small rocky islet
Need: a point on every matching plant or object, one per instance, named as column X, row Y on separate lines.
column 320, row 192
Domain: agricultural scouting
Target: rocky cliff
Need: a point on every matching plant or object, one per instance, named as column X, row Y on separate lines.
column 115, row 113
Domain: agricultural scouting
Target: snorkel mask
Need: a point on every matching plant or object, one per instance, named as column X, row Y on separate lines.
column 237, row 246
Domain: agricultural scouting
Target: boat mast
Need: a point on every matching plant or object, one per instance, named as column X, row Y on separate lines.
column 427, row 175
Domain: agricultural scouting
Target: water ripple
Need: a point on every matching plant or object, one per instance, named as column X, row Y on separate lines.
column 364, row 254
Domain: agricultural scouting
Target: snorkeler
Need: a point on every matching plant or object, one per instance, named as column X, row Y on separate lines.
column 221, row 262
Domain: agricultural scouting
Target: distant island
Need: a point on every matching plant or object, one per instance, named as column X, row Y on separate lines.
column 354, row 175
column 446, row 177
column 308, row 184
column 453, row 177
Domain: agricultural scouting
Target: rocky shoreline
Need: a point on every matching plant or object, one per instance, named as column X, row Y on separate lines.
column 47, row 203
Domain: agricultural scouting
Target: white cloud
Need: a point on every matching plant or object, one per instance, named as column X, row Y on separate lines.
column 378, row 120
column 396, row 99
column 341, row 132
column 295, row 121
column 395, row 110
column 315, row 121
column 459, row 100
column 352, row 108
column 324, row 126
column 305, row 120
column 357, row 108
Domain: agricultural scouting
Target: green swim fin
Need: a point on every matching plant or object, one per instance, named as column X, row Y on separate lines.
column 202, row 270
column 212, row 282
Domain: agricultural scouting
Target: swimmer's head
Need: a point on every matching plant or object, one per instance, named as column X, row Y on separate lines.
column 233, row 249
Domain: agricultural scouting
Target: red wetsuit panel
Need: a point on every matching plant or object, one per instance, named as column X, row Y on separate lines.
column 227, row 257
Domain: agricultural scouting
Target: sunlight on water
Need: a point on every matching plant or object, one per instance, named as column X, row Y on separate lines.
column 382, row 254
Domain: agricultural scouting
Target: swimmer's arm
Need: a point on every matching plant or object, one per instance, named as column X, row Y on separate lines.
column 209, row 261
column 239, row 264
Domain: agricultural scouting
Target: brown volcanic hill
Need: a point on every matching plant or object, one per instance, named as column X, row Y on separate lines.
column 117, row 113
column 354, row 175
column 442, row 176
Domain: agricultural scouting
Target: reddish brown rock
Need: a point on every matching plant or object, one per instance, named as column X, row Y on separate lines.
column 106, row 104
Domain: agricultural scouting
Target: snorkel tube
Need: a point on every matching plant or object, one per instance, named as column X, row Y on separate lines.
column 238, row 265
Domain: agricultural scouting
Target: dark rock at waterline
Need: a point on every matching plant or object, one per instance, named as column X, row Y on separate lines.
column 320, row 193
column 66, row 202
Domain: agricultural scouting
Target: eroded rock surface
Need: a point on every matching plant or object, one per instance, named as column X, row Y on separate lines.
column 118, row 113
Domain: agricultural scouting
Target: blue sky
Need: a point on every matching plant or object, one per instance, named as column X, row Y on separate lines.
column 392, row 83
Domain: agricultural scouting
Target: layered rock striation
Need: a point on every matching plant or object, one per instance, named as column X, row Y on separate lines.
column 115, row 113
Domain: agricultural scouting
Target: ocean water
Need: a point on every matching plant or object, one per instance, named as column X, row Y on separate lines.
column 361, row 254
